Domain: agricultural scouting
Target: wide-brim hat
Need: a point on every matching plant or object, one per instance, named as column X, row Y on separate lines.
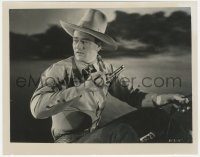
column 94, row 22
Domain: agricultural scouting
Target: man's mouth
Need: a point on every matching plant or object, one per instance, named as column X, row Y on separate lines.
column 80, row 52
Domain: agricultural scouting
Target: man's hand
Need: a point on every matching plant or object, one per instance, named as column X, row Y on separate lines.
column 171, row 98
column 99, row 79
column 95, row 82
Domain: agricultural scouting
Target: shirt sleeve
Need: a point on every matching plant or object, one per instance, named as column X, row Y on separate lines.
column 122, row 89
column 53, row 94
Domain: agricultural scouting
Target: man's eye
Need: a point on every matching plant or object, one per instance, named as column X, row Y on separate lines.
column 85, row 41
column 75, row 40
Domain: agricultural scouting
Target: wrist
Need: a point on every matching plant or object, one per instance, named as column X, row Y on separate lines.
column 157, row 100
column 162, row 100
column 154, row 100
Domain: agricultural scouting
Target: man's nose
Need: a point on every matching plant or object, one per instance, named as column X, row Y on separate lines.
column 79, row 45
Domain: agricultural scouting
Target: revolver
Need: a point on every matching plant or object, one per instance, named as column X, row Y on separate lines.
column 110, row 77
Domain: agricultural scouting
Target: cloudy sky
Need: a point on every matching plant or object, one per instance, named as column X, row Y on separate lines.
column 31, row 21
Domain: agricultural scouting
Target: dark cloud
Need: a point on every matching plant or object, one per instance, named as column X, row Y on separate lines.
column 153, row 32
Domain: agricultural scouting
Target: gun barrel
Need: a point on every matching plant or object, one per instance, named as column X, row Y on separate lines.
column 118, row 70
column 114, row 74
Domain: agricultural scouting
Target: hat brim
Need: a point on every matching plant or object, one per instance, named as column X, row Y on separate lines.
column 107, row 42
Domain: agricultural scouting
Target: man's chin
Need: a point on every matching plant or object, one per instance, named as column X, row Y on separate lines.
column 81, row 59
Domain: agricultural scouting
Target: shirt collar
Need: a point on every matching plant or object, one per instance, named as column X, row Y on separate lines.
column 82, row 65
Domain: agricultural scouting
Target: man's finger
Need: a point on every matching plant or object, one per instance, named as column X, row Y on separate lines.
column 183, row 101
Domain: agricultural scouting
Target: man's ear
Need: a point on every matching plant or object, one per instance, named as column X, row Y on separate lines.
column 99, row 47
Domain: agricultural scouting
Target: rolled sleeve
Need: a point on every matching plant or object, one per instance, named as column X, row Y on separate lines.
column 53, row 94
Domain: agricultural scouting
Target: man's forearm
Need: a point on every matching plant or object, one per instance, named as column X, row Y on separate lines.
column 150, row 100
column 44, row 105
column 158, row 100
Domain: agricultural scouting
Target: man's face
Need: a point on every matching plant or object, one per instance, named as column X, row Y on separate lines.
column 85, row 48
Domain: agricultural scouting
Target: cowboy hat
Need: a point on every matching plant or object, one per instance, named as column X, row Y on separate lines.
column 94, row 23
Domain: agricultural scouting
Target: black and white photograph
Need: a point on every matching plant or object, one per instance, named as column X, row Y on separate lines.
column 101, row 75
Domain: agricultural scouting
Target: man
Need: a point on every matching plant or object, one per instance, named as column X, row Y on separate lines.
column 73, row 92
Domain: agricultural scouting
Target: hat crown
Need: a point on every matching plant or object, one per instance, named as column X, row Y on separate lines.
column 94, row 20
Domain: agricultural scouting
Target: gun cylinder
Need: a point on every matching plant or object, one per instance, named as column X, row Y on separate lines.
column 115, row 73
